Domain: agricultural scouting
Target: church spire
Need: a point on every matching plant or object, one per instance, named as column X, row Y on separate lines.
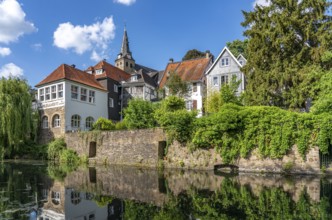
column 125, row 45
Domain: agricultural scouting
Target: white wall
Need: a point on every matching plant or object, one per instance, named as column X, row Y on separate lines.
column 218, row 71
column 84, row 108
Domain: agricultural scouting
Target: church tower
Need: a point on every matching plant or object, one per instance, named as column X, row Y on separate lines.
column 125, row 60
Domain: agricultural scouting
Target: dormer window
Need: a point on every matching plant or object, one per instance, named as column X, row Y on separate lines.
column 89, row 71
column 99, row 71
column 134, row 78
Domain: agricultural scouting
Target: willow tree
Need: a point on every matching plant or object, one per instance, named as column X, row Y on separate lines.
column 287, row 41
column 17, row 124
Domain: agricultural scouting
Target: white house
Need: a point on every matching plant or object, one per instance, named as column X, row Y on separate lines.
column 69, row 100
column 223, row 69
column 193, row 72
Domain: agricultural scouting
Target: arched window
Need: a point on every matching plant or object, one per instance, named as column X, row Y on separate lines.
column 56, row 121
column 45, row 122
column 89, row 122
column 75, row 121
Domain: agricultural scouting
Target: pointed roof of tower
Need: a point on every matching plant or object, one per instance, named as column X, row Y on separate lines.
column 125, row 50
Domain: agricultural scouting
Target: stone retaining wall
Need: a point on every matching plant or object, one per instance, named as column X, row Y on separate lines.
column 145, row 147
column 141, row 147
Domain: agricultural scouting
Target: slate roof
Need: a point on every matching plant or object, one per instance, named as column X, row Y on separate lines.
column 71, row 73
column 110, row 71
column 189, row 70
column 142, row 78
column 144, row 69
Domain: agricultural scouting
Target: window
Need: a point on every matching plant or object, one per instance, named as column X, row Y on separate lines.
column 131, row 65
column 134, row 78
column 189, row 105
column 224, row 80
column 126, row 63
column 45, row 122
column 99, row 71
column 215, row 81
column 91, row 96
column 89, row 122
column 41, row 95
column 53, row 92
column 47, row 93
column 55, row 197
column 194, row 87
column 75, row 121
column 111, row 103
column 56, row 121
column 74, row 92
column 75, row 197
column 224, row 62
column 241, row 62
column 115, row 88
column 83, row 94
column 60, row 90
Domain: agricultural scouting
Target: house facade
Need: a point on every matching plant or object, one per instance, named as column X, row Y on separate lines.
column 69, row 100
column 223, row 69
column 111, row 78
column 193, row 72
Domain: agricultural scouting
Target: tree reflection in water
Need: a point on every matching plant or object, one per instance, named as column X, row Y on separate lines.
column 132, row 193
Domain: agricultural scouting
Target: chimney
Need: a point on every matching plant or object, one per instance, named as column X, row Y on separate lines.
column 73, row 65
column 208, row 54
column 171, row 60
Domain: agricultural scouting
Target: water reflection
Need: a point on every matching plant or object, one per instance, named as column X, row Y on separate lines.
column 51, row 192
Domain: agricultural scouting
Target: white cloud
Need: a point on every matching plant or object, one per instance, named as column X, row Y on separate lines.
column 12, row 21
column 263, row 3
column 85, row 38
column 125, row 2
column 37, row 46
column 95, row 56
column 5, row 51
column 11, row 69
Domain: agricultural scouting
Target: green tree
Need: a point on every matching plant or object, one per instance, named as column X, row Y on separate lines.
column 176, row 86
column 285, row 39
column 139, row 114
column 18, row 121
column 192, row 54
column 238, row 47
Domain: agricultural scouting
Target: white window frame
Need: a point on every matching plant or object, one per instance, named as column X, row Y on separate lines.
column 215, row 81
column 41, row 95
column 74, row 92
column 116, row 89
column 134, row 78
column 195, row 87
column 111, row 102
column 47, row 94
column 92, row 95
column 99, row 71
column 56, row 121
column 224, row 79
column 60, row 90
column 189, row 105
column 53, row 92
column 84, row 93
column 224, row 61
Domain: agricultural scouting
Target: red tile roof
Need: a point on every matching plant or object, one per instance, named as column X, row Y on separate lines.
column 189, row 70
column 110, row 71
column 65, row 71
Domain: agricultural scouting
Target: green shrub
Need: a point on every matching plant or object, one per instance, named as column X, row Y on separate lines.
column 103, row 124
column 178, row 124
column 139, row 114
column 69, row 157
column 55, row 148
column 121, row 125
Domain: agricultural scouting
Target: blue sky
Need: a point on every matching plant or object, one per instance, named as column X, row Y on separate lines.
column 36, row 36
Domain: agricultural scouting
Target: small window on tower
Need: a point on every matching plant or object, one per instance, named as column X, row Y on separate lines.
column 127, row 64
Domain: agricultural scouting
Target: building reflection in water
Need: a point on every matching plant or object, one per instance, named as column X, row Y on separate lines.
column 101, row 193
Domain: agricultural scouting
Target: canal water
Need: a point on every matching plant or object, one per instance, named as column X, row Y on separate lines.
column 46, row 191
